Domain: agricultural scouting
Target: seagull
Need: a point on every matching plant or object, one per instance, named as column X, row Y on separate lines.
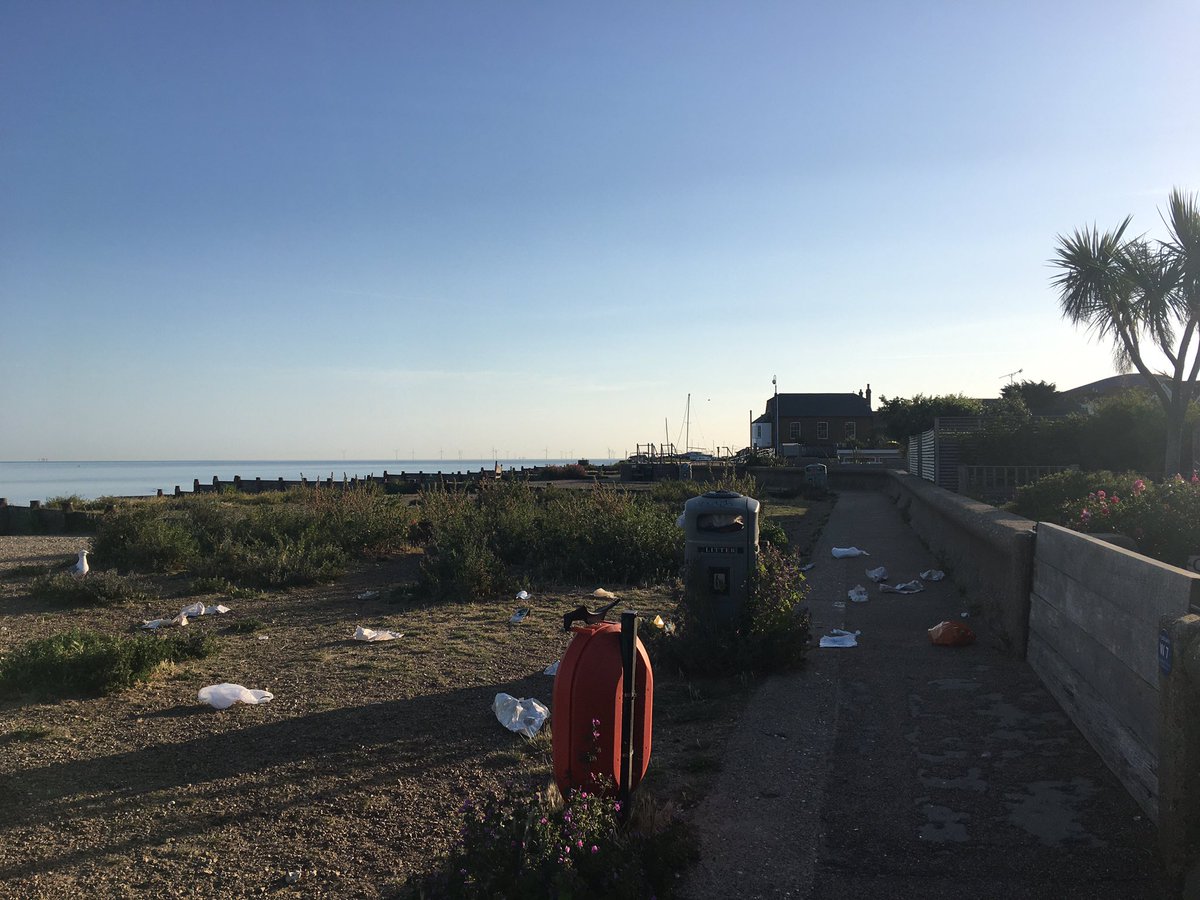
column 81, row 568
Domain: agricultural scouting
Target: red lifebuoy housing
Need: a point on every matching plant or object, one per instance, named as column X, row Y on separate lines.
column 588, row 693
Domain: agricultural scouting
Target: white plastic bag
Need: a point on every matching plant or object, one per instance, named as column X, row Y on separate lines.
column 933, row 575
column 909, row 587
column 839, row 638
column 847, row 552
column 552, row 669
column 525, row 716
column 223, row 696
column 368, row 634
column 878, row 575
column 858, row 594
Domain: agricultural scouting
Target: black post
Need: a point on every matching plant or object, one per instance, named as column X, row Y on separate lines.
column 629, row 625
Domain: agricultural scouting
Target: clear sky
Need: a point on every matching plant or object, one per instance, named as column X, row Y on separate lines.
column 308, row 229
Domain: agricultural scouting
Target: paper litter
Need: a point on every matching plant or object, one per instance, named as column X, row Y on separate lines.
column 188, row 612
column 223, row 696
column 951, row 634
column 367, row 595
column 877, row 575
column 847, row 552
column 522, row 595
column 519, row 616
column 839, row 638
column 858, row 594
column 524, row 716
column 603, row 594
column 552, row 669
column 368, row 634
column 933, row 575
column 909, row 587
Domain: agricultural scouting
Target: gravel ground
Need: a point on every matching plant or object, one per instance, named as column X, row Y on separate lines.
column 350, row 779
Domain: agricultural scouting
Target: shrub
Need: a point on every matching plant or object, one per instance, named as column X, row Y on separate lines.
column 145, row 538
column 679, row 492
column 1045, row 499
column 1163, row 519
column 519, row 844
column 573, row 471
column 769, row 633
column 772, row 533
column 97, row 589
column 85, row 663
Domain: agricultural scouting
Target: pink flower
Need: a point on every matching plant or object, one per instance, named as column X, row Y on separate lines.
column 1195, row 477
column 1139, row 486
column 1085, row 515
column 595, row 849
column 579, row 844
column 1116, row 499
column 1101, row 494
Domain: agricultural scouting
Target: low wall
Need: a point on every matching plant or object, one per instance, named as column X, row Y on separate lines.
column 1093, row 638
column 989, row 552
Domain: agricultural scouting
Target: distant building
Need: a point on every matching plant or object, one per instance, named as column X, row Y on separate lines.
column 824, row 421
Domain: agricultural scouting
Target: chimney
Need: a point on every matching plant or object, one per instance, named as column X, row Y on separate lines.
column 868, row 396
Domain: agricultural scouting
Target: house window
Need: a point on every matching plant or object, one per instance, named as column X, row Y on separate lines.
column 822, row 431
column 851, row 430
column 794, row 431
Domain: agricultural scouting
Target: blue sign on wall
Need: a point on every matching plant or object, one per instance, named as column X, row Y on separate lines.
column 1164, row 652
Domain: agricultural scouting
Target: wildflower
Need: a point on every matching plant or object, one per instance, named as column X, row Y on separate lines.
column 1195, row 477
column 1085, row 514
column 579, row 844
column 595, row 849
column 1101, row 494
column 1139, row 486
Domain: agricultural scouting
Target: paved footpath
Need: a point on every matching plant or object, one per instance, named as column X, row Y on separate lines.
column 899, row 769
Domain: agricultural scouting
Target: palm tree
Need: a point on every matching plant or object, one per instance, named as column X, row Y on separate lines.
column 1142, row 294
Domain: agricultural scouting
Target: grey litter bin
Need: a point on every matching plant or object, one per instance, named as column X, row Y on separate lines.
column 720, row 552
column 816, row 475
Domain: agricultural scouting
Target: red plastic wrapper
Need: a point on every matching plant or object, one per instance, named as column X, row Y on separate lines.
column 951, row 634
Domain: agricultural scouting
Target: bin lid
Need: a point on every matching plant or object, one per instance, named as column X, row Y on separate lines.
column 723, row 495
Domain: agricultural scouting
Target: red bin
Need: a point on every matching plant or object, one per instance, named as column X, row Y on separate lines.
column 588, row 696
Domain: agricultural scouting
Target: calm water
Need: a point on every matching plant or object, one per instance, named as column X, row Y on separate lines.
column 21, row 482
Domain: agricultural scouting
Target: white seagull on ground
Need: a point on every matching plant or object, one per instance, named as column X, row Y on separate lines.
column 81, row 567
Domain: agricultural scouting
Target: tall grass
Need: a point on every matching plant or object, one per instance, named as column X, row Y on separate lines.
column 297, row 537
column 511, row 532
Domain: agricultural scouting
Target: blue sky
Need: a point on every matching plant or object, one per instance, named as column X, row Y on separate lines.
column 303, row 230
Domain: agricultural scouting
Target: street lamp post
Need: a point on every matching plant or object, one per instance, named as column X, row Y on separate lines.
column 775, row 440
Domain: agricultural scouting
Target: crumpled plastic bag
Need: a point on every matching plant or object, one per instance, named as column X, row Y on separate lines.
column 519, row 616
column 933, row 575
column 223, row 696
column 807, row 568
column 839, row 638
column 858, row 594
column 368, row 634
column 552, row 669
column 188, row 612
column 951, row 634
column 525, row 716
column 878, row 575
column 908, row 587
column 602, row 594
column 847, row 552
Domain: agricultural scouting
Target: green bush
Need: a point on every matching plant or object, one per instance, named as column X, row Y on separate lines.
column 772, row 533
column 770, row 633
column 1046, row 499
column 1164, row 519
column 679, row 492
column 521, row 845
column 479, row 545
column 96, row 589
column 85, row 663
column 266, row 540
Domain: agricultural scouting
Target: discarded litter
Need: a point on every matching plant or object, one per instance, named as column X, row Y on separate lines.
column 223, row 696
column 858, row 594
column 806, row 568
column 847, row 552
column 933, row 575
column 908, row 587
column 552, row 669
column 519, row 616
column 524, row 716
column 522, row 595
column 188, row 612
column 964, row 615
column 264, row 637
column 657, row 622
column 368, row 634
column 839, row 604
column 603, row 594
column 877, row 575
column 839, row 638
column 368, row 595
column 951, row 634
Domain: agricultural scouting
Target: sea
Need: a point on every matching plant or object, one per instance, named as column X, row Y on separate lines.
column 43, row 480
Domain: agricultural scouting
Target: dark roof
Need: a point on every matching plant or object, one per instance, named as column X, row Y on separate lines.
column 814, row 405
column 1106, row 386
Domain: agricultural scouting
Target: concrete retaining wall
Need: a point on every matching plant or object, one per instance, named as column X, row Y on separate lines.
column 1093, row 638
column 988, row 552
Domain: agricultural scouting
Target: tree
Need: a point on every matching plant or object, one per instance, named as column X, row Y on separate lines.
column 902, row 417
column 1142, row 295
column 1039, row 396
